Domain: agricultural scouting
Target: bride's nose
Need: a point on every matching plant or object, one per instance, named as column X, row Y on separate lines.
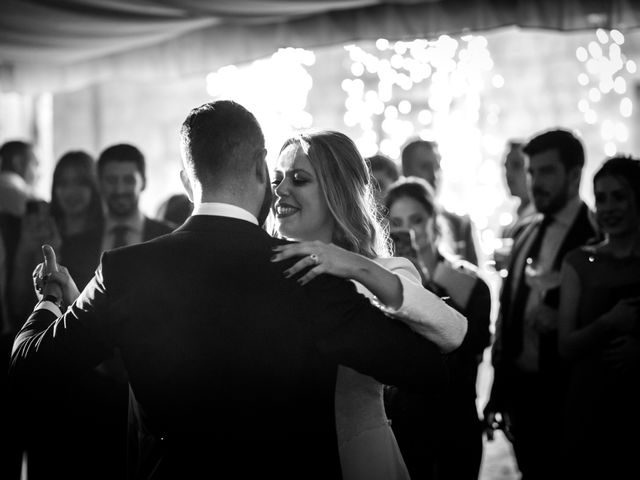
column 281, row 189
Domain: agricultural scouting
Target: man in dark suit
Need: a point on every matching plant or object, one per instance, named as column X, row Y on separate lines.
column 122, row 178
column 231, row 366
column 527, row 387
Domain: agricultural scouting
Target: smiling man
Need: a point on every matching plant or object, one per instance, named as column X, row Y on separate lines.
column 121, row 173
column 527, row 385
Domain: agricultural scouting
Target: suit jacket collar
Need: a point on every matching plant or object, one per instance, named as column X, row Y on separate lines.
column 568, row 214
column 214, row 223
column 579, row 233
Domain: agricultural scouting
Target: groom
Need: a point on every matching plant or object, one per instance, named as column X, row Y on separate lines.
column 232, row 366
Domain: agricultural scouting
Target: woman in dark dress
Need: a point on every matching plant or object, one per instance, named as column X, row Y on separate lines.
column 74, row 214
column 440, row 438
column 83, row 439
column 598, row 333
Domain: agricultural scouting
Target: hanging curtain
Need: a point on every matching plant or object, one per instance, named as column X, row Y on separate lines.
column 53, row 46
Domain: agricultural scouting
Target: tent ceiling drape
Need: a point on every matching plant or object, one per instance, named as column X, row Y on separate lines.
column 48, row 45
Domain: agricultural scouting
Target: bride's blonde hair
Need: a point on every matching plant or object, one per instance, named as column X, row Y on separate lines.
column 345, row 181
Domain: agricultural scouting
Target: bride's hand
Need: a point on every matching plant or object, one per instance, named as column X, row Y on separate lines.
column 318, row 257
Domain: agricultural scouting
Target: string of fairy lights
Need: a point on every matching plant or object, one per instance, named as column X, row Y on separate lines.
column 433, row 90
column 443, row 89
column 606, row 99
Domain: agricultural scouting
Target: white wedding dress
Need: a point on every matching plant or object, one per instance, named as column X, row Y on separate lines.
column 367, row 445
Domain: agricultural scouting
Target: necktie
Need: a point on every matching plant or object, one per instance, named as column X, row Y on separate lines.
column 516, row 312
column 119, row 235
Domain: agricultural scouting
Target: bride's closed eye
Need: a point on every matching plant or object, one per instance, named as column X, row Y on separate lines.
column 299, row 179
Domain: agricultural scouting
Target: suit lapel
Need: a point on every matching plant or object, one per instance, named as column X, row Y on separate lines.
column 520, row 242
column 579, row 232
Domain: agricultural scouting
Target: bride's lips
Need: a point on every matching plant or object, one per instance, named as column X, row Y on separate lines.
column 285, row 210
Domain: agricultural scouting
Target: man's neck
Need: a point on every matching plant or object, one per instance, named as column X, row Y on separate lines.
column 234, row 200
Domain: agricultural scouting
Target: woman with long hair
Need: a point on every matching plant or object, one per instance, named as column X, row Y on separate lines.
column 75, row 210
column 599, row 330
column 441, row 438
column 324, row 200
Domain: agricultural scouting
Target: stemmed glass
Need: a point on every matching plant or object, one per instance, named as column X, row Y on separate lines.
column 540, row 279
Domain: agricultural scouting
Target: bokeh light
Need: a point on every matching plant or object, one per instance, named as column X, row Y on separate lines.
column 606, row 67
column 432, row 89
column 275, row 89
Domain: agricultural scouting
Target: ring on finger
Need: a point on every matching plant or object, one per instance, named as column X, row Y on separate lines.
column 314, row 258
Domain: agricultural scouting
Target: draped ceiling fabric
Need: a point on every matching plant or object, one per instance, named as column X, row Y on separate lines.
column 54, row 45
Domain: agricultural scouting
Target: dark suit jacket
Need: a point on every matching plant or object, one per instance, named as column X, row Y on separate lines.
column 509, row 346
column 232, row 366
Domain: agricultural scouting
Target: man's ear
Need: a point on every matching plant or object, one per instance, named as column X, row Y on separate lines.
column 186, row 183
column 261, row 170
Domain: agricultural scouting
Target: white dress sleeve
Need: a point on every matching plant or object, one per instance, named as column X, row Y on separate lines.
column 423, row 311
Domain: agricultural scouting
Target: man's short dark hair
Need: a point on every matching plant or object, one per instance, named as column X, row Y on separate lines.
column 122, row 152
column 8, row 151
column 411, row 147
column 219, row 141
column 567, row 144
column 384, row 163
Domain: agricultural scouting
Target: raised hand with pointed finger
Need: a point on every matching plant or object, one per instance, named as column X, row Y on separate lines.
column 51, row 278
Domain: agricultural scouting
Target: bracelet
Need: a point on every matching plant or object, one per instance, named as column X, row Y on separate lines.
column 53, row 299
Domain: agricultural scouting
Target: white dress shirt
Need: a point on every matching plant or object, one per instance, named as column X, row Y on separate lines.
column 551, row 243
column 224, row 210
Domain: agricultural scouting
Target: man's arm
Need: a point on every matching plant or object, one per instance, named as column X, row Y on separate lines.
column 368, row 341
column 81, row 338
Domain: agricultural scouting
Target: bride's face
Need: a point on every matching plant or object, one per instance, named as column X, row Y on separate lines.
column 300, row 209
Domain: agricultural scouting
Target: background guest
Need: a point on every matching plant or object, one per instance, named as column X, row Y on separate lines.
column 74, row 215
column 384, row 171
column 18, row 166
column 515, row 174
column 599, row 332
column 528, row 384
column 122, row 177
column 175, row 210
column 441, row 438
column 421, row 158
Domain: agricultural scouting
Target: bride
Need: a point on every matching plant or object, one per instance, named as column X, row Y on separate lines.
column 324, row 200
